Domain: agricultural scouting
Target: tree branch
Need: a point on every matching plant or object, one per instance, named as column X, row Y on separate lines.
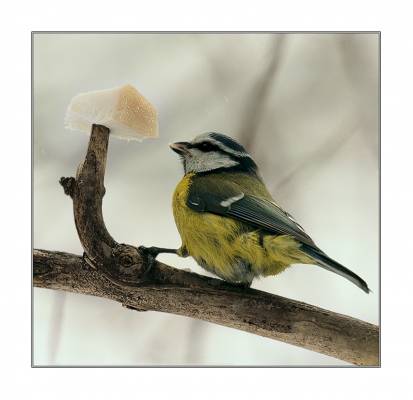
column 179, row 292
column 122, row 273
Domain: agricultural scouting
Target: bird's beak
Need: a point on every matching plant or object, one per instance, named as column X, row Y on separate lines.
column 180, row 147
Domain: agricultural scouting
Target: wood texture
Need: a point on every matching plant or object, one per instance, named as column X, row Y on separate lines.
column 179, row 292
column 122, row 273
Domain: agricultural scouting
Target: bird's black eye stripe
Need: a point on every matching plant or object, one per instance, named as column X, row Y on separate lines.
column 206, row 146
column 228, row 142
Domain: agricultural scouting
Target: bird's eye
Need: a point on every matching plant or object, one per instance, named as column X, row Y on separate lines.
column 205, row 146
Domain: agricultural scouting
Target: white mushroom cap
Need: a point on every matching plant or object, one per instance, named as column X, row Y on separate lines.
column 123, row 110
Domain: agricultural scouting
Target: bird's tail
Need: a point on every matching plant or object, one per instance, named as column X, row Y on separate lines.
column 330, row 265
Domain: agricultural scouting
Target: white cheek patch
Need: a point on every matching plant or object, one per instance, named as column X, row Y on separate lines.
column 202, row 162
column 229, row 201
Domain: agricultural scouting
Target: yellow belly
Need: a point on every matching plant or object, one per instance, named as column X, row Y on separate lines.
column 225, row 247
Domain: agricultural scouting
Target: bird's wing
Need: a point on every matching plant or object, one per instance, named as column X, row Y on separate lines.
column 229, row 200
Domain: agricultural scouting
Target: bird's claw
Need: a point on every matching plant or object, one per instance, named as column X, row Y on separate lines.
column 149, row 251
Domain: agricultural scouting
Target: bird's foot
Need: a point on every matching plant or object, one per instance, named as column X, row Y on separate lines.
column 155, row 251
column 150, row 253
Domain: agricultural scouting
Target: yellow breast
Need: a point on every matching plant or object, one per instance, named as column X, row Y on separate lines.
column 206, row 237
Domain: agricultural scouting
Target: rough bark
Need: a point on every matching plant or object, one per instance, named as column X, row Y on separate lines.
column 179, row 292
column 123, row 273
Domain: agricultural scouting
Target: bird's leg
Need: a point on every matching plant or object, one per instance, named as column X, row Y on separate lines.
column 152, row 252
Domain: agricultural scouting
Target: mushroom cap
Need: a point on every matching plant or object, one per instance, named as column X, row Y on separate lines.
column 123, row 110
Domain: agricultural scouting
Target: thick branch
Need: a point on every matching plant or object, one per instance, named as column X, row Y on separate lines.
column 175, row 291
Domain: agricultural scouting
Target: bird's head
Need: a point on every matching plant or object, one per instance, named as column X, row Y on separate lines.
column 213, row 152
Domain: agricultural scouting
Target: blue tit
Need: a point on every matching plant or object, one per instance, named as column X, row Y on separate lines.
column 229, row 222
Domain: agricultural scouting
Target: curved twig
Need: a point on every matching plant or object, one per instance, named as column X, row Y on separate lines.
column 87, row 191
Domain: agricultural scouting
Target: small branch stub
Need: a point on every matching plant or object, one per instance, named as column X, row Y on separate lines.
column 130, row 267
column 68, row 185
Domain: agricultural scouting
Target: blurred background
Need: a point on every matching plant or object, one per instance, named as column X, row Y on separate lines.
column 305, row 105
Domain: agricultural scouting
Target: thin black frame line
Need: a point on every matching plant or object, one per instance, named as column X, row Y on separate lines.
column 379, row 184
column 207, row 366
column 207, row 32
column 201, row 366
column 32, row 197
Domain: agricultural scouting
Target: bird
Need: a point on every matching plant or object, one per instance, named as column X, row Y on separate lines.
column 229, row 222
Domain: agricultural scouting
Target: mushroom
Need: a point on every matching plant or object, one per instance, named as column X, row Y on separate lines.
column 123, row 110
